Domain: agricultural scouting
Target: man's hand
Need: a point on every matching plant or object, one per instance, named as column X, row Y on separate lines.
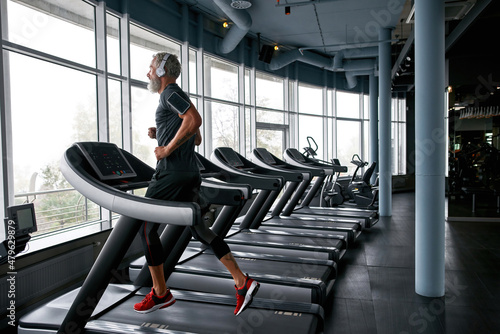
column 161, row 152
column 152, row 133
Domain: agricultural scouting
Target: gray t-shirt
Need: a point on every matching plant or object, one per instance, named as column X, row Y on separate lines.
column 168, row 123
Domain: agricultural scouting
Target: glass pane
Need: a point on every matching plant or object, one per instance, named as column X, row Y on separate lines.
column 366, row 106
column 143, row 45
column 193, row 78
column 366, row 139
column 225, row 125
column 266, row 116
column 348, row 142
column 347, row 105
column 394, row 148
column 115, row 112
column 271, row 140
column 310, row 100
column 331, row 139
column 248, row 134
column 269, row 91
column 221, row 79
column 402, row 109
column 329, row 103
column 394, row 109
column 248, row 89
column 311, row 126
column 45, row 122
column 402, row 148
column 65, row 29
column 144, row 106
column 113, row 44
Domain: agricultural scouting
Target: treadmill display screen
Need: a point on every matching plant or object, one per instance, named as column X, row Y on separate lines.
column 24, row 218
column 296, row 155
column 230, row 156
column 266, row 156
column 107, row 160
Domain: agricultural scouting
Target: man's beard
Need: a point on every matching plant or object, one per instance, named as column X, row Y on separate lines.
column 154, row 85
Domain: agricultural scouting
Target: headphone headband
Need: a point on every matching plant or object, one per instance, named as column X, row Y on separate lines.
column 160, row 71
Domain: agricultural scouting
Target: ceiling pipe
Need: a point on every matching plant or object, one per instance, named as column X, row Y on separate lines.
column 338, row 63
column 307, row 57
column 338, row 60
column 351, row 77
column 242, row 23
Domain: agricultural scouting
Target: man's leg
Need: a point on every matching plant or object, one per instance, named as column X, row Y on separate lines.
column 159, row 285
column 230, row 263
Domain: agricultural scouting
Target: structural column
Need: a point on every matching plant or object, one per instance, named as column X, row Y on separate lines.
column 373, row 83
column 384, row 79
column 430, row 145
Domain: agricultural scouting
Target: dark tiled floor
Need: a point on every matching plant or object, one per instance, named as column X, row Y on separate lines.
column 375, row 291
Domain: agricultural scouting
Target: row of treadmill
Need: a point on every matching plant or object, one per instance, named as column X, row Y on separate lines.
column 263, row 213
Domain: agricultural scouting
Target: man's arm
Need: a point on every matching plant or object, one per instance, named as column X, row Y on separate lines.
column 197, row 139
column 191, row 122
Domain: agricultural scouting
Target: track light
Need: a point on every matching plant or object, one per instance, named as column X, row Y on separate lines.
column 287, row 10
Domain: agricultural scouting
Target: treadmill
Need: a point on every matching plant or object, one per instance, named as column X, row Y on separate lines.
column 294, row 157
column 230, row 160
column 104, row 173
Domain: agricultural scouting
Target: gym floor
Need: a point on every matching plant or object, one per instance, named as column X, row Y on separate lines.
column 375, row 289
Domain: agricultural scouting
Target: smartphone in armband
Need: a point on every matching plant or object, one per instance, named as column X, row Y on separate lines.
column 179, row 104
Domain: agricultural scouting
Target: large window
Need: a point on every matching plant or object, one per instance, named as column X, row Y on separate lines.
column 269, row 91
column 348, row 126
column 143, row 45
column 348, row 142
column 224, row 123
column 221, row 79
column 310, row 100
column 310, row 103
column 65, row 30
column 50, row 106
column 398, row 136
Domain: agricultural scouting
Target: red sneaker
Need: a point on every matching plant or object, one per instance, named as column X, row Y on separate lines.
column 152, row 302
column 244, row 295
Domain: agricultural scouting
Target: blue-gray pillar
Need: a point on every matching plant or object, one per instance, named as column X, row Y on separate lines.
column 373, row 83
column 384, row 125
column 430, row 148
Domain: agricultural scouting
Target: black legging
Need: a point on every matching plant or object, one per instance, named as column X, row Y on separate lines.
column 182, row 187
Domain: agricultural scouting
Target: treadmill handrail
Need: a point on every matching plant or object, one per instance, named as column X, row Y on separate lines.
column 280, row 166
column 329, row 169
column 257, row 181
column 124, row 203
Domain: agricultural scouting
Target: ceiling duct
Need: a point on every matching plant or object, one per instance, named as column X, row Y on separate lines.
column 351, row 77
column 343, row 61
column 308, row 57
column 242, row 23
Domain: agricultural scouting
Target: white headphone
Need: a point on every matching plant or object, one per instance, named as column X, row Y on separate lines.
column 160, row 71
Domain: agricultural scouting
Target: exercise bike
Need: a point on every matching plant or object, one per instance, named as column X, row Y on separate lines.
column 359, row 191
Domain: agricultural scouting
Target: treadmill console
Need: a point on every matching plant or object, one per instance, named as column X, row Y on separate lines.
column 231, row 157
column 265, row 156
column 107, row 160
column 296, row 155
column 23, row 217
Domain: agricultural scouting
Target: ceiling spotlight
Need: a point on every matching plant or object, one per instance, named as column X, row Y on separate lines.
column 225, row 24
column 287, row 10
column 241, row 4
column 276, row 48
